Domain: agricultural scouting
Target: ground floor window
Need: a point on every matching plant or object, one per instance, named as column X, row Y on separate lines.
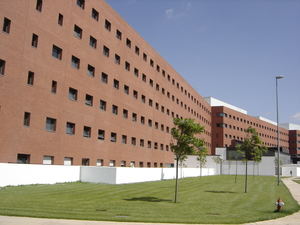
column 23, row 158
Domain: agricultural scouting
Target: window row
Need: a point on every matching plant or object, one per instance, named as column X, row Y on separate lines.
column 50, row 125
column 68, row 161
column 250, row 123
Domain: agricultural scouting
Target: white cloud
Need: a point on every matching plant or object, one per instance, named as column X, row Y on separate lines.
column 183, row 11
column 296, row 116
column 169, row 13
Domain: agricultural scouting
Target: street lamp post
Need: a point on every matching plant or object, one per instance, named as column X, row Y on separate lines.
column 278, row 148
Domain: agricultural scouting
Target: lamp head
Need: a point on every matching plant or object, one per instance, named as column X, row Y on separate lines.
column 279, row 77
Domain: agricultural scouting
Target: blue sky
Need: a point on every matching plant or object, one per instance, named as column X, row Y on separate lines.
column 231, row 50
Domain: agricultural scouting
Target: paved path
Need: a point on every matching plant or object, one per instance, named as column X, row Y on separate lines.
column 293, row 219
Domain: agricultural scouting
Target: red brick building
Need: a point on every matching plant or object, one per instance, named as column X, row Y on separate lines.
column 79, row 86
column 229, row 124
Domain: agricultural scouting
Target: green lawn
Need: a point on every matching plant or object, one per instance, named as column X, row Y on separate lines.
column 215, row 199
column 297, row 181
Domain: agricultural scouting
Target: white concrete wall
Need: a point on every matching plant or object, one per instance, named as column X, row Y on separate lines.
column 22, row 174
column 294, row 168
column 124, row 175
column 95, row 174
column 264, row 168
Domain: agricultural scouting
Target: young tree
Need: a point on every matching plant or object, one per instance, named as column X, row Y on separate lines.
column 201, row 153
column 184, row 141
column 219, row 160
column 250, row 148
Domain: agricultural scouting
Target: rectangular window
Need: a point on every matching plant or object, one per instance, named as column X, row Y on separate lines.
column 128, row 43
column 156, row 125
column 134, row 117
column 132, row 164
column 6, row 25
column 126, row 89
column 26, row 121
column 85, row 162
column 150, row 102
column 53, row 87
column 99, row 162
column 125, row 113
column 151, row 83
column 34, row 40
column 136, row 72
column 157, row 68
column 141, row 164
column 135, row 94
column 101, row 134
column 117, row 59
column 151, row 63
column 112, row 163
column 144, row 57
column 115, row 109
column 137, row 50
column 95, row 14
column 124, row 139
column 143, row 99
column 107, row 25
column 70, row 128
column 2, row 67
column 155, row 145
column 133, row 141
column 119, row 34
column 50, row 124
column 93, row 42
column 127, row 66
column 39, row 5
column 23, row 158
column 116, row 84
column 104, row 78
column 89, row 100
column 80, row 3
column 68, row 161
column 60, row 19
column 57, row 52
column 77, row 32
column 142, row 143
column 144, row 78
column 113, row 137
column 149, row 123
column 149, row 144
column 87, row 132
column 30, row 78
column 48, row 160
column 102, row 105
column 90, row 70
column 106, row 51
column 161, row 147
column 142, row 120
column 75, row 62
column 123, row 163
column 73, row 94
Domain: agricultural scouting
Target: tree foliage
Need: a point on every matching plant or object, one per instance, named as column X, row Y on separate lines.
column 252, row 148
column 201, row 153
column 184, row 141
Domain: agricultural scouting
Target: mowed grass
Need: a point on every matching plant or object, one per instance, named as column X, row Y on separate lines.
column 297, row 181
column 215, row 199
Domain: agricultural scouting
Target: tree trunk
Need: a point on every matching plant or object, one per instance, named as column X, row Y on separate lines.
column 200, row 171
column 176, row 181
column 236, row 170
column 246, row 176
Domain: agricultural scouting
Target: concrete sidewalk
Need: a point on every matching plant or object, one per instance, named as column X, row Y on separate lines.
column 293, row 219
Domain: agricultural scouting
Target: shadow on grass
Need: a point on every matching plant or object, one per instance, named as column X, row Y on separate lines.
column 148, row 199
column 222, row 192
